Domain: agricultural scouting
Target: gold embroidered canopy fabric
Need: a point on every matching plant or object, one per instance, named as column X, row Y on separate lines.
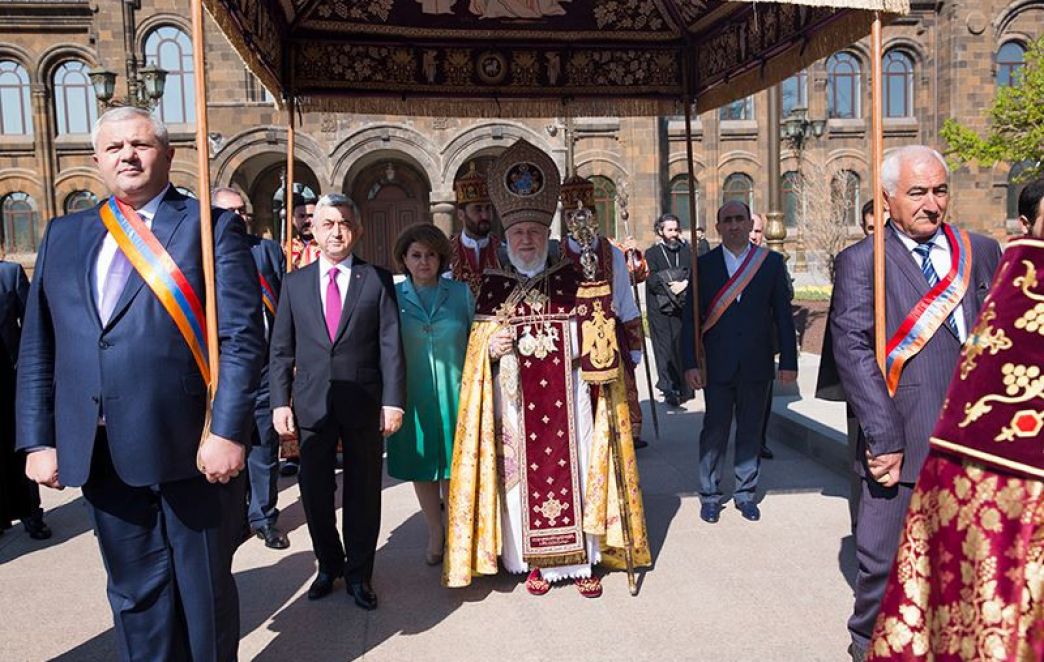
column 533, row 57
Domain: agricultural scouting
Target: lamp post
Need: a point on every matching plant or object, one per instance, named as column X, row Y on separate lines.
column 797, row 130
column 147, row 89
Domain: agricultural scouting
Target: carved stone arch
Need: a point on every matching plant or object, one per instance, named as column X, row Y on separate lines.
column 22, row 57
column 1005, row 18
column 155, row 21
column 266, row 139
column 909, row 46
column 80, row 178
column 22, row 179
column 185, row 178
column 606, row 164
column 676, row 166
column 849, row 159
column 58, row 54
column 726, row 160
column 366, row 146
column 484, row 137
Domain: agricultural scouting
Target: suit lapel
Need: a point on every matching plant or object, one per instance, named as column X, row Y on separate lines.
column 360, row 272
column 168, row 217
column 92, row 234
column 900, row 258
column 315, row 302
column 409, row 294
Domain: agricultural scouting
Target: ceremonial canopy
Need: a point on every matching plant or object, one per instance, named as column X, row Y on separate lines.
column 533, row 57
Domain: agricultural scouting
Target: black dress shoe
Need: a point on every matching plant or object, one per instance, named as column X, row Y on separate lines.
column 363, row 594
column 710, row 512
column 640, row 443
column 858, row 653
column 273, row 537
column 36, row 527
column 766, row 454
column 672, row 400
column 749, row 510
column 289, row 468
column 322, row 585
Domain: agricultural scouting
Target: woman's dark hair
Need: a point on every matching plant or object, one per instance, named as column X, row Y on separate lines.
column 1029, row 199
column 427, row 234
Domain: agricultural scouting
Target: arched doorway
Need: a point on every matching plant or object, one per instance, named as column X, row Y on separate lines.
column 391, row 195
column 261, row 178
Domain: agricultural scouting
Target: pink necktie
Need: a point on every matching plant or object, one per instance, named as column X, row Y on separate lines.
column 333, row 304
column 115, row 281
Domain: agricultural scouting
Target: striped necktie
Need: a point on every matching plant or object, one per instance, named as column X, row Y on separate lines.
column 924, row 251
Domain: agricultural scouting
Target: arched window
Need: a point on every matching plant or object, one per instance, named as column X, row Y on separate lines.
column 898, row 84
column 79, row 200
column 1015, row 186
column 18, row 230
column 605, row 205
column 794, row 92
column 791, row 187
column 1011, row 58
column 679, row 202
column 16, row 118
column 740, row 109
column 171, row 49
column 739, row 186
column 74, row 106
column 843, row 85
column 845, row 197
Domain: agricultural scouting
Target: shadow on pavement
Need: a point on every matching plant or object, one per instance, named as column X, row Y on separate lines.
column 67, row 521
column 100, row 647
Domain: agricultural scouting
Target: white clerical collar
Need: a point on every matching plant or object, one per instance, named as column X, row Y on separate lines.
column 742, row 253
column 325, row 265
column 149, row 209
column 468, row 242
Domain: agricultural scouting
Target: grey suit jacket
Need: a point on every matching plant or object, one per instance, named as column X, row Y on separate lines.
column 905, row 422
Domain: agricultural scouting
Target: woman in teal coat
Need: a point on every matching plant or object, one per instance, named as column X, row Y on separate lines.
column 434, row 318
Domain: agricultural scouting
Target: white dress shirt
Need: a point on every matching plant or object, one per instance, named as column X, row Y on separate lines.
column 734, row 260
column 475, row 245
column 109, row 245
column 344, row 278
column 941, row 256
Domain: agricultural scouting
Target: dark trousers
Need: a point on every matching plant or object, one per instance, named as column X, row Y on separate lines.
column 666, row 341
column 855, row 480
column 360, row 496
column 882, row 511
column 263, row 469
column 168, row 553
column 768, row 413
column 745, row 400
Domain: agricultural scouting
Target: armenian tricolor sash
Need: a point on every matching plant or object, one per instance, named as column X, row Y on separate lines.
column 268, row 295
column 734, row 287
column 931, row 311
column 165, row 279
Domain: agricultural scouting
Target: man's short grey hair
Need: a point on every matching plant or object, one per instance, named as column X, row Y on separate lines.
column 893, row 161
column 226, row 189
column 126, row 113
column 337, row 200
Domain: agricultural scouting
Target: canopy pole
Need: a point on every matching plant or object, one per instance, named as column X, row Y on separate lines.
column 876, row 157
column 206, row 227
column 694, row 282
column 288, row 187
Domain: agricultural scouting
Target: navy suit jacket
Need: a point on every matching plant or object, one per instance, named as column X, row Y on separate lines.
column 137, row 370
column 741, row 346
column 366, row 355
column 905, row 422
column 14, row 290
column 271, row 263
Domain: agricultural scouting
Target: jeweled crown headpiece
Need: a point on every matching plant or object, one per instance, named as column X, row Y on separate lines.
column 471, row 187
column 578, row 189
column 524, row 184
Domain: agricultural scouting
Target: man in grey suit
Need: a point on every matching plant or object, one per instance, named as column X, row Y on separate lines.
column 897, row 413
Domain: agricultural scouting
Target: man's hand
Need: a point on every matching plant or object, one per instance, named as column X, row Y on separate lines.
column 220, row 459
column 885, row 468
column 42, row 467
column 391, row 421
column 787, row 376
column 283, row 422
column 500, row 344
column 694, row 378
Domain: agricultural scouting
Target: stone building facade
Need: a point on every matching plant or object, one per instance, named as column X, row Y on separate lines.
column 945, row 59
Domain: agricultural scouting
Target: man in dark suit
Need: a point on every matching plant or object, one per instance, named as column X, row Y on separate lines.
column 338, row 325
column 263, row 458
column 112, row 395
column 19, row 496
column 669, row 260
column 896, row 414
column 743, row 300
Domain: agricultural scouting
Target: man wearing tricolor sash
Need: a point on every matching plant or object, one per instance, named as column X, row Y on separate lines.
column 744, row 299
column 936, row 278
column 113, row 393
column 532, row 480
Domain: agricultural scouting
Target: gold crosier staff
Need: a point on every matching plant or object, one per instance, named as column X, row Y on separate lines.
column 583, row 228
column 645, row 346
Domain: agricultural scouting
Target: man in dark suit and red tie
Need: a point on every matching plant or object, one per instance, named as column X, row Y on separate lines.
column 936, row 278
column 112, row 393
column 744, row 298
column 263, row 458
column 337, row 372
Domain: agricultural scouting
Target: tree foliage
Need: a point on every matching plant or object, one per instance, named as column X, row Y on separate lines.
column 1016, row 131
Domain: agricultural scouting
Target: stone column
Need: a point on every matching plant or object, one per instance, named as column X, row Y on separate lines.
column 442, row 211
column 775, row 228
column 44, row 141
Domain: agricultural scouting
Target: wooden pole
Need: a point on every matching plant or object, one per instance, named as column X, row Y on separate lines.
column 206, row 227
column 694, row 283
column 876, row 156
column 288, row 187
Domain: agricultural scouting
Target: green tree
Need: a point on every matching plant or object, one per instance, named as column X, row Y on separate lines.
column 1016, row 131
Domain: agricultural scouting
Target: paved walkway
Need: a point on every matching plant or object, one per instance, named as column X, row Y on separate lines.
column 779, row 589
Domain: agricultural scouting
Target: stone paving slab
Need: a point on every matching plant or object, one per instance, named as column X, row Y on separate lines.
column 779, row 589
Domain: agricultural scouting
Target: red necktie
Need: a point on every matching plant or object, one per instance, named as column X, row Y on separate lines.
column 333, row 304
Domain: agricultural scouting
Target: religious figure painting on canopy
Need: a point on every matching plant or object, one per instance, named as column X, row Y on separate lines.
column 517, row 8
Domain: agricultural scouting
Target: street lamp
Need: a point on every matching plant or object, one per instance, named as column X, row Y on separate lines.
column 797, row 128
column 149, row 88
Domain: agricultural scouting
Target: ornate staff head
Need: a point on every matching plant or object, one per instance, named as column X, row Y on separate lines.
column 580, row 219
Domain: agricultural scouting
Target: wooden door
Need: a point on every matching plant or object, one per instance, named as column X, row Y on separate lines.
column 388, row 205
